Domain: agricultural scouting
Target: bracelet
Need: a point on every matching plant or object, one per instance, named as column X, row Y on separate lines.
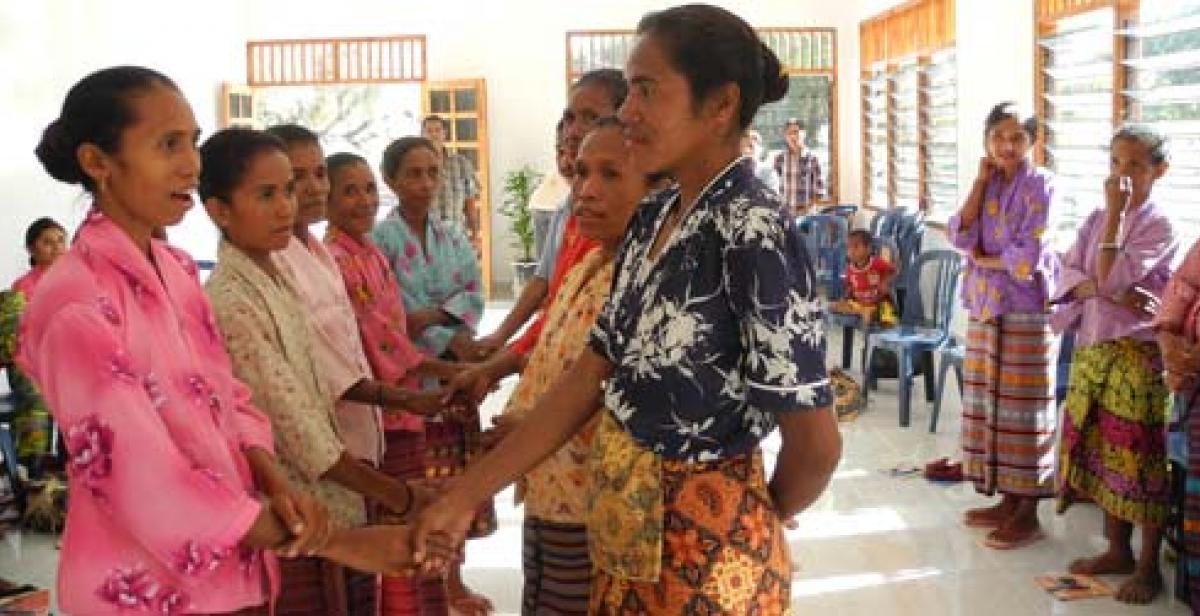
column 1109, row 246
column 408, row 503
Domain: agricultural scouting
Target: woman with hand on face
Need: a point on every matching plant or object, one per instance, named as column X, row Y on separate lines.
column 1113, row 449
column 247, row 188
column 176, row 499
column 710, row 339
column 1008, row 428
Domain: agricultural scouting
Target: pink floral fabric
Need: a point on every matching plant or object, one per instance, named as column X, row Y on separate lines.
column 126, row 352
column 382, row 319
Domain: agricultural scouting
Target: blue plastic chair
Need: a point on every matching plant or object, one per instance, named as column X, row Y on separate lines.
column 886, row 248
column 907, row 230
column 952, row 355
column 825, row 240
column 845, row 210
column 1177, row 457
column 923, row 328
column 8, row 451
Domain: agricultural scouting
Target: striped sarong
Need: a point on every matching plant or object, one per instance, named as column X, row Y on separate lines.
column 318, row 587
column 404, row 459
column 558, row 569
column 1009, row 417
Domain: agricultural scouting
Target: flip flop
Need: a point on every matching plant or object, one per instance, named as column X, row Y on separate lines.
column 1001, row 544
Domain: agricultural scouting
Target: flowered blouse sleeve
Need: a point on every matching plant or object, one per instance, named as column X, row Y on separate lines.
column 1182, row 291
column 466, row 302
column 781, row 329
column 304, row 435
column 964, row 238
column 122, row 450
column 1029, row 252
column 384, row 333
column 1142, row 248
column 1073, row 266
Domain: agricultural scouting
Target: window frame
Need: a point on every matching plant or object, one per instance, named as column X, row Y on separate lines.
column 828, row 70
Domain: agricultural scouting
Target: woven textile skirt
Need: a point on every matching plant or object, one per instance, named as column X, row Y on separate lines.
column 318, row 587
column 404, row 459
column 1008, row 424
column 723, row 548
column 557, row 567
column 1114, row 448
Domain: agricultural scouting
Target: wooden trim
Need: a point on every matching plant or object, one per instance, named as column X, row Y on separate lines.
column 482, row 145
column 834, row 189
column 1050, row 11
column 371, row 59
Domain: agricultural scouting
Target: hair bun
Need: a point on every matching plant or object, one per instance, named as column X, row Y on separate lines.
column 775, row 81
column 56, row 151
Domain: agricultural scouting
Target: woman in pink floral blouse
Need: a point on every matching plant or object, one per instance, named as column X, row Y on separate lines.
column 176, row 499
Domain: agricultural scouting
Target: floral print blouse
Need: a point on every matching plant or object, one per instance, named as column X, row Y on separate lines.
column 269, row 338
column 718, row 334
column 128, row 356
column 1013, row 225
column 556, row 489
column 444, row 274
column 379, row 310
column 312, row 273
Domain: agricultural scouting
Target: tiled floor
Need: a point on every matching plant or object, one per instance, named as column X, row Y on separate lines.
column 873, row 545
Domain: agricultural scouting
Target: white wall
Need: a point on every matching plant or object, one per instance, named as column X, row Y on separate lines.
column 517, row 45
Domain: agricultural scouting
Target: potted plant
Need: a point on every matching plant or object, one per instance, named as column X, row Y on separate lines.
column 518, row 188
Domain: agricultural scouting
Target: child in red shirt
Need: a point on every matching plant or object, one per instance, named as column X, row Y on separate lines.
column 867, row 279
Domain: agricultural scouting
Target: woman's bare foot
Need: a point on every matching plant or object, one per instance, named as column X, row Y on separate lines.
column 1108, row 563
column 1015, row 533
column 1142, row 588
column 990, row 517
column 464, row 601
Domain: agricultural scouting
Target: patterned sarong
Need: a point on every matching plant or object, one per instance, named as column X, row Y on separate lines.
column 1114, row 447
column 722, row 548
column 1008, row 423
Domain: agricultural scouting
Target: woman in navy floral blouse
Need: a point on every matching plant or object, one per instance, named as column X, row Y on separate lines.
column 711, row 339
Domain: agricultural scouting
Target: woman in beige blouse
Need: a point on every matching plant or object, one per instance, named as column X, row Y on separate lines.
column 246, row 184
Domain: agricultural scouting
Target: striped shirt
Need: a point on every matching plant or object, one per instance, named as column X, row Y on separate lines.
column 459, row 183
column 801, row 181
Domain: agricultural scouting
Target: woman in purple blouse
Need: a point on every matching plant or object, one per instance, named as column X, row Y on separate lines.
column 1008, row 426
column 1115, row 416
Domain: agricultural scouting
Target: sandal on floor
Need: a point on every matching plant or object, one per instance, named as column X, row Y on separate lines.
column 943, row 471
column 1000, row 543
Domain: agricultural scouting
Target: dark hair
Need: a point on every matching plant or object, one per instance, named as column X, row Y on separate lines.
column 433, row 117
column 1009, row 110
column 335, row 162
column 1155, row 142
column 795, row 122
column 293, row 135
column 608, row 78
column 397, row 150
column 226, row 156
column 861, row 235
column 96, row 110
column 35, row 230
column 712, row 47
